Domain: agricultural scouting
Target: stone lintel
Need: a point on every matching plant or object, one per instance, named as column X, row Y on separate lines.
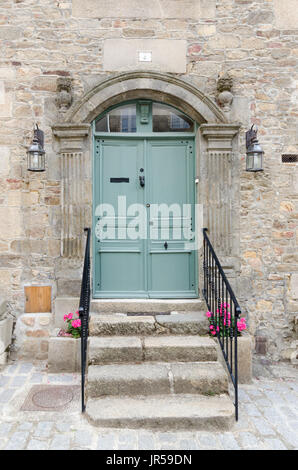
column 219, row 136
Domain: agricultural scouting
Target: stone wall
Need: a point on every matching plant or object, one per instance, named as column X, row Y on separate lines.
column 255, row 41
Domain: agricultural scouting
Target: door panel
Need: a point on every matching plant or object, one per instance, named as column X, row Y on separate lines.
column 170, row 167
column 119, row 263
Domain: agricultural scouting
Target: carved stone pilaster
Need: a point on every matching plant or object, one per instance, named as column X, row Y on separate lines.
column 219, row 182
column 75, row 186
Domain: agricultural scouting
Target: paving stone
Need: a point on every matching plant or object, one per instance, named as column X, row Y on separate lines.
column 63, row 426
column 5, row 429
column 83, row 438
column 35, row 444
column 36, row 378
column 11, row 369
column 146, row 442
column 188, row 444
column 25, row 426
column 4, row 379
column 287, row 435
column 243, row 396
column 60, row 442
column 263, row 427
column 7, row 395
column 17, row 441
column 127, row 441
column 60, row 378
column 251, row 410
column 288, row 412
column 248, row 440
column 25, row 368
column 274, row 444
column 106, row 442
column 18, row 381
column 229, row 442
column 44, row 429
column 207, row 441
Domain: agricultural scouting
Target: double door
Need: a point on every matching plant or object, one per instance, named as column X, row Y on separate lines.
column 143, row 214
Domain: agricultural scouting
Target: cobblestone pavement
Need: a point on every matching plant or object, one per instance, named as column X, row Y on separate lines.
column 268, row 417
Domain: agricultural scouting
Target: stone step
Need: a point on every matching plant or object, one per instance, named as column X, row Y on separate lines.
column 117, row 349
column 206, row 378
column 187, row 412
column 145, row 305
column 187, row 323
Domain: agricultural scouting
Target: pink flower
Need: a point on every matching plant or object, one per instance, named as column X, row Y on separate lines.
column 68, row 316
column 76, row 323
column 213, row 333
column 211, row 327
column 208, row 314
column 217, row 328
column 241, row 324
column 77, row 312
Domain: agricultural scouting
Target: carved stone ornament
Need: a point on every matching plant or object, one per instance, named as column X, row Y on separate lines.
column 64, row 98
column 224, row 87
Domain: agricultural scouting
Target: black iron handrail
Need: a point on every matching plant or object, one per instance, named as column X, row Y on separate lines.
column 224, row 311
column 84, row 314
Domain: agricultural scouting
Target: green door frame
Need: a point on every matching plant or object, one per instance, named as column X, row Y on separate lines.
column 146, row 135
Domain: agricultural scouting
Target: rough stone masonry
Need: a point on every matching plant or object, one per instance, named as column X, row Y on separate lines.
column 254, row 42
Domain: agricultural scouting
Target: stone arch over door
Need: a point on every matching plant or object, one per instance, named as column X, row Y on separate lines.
column 217, row 154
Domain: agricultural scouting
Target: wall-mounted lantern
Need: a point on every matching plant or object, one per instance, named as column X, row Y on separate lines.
column 254, row 152
column 36, row 153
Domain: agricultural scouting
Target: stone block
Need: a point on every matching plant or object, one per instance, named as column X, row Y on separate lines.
column 5, row 333
column 245, row 345
column 104, row 349
column 9, row 33
column 179, row 348
column 286, row 14
column 162, row 413
column 167, row 55
column 63, row 305
column 202, row 378
column 294, row 286
column 64, row 354
column 4, row 160
column 106, row 325
column 5, row 102
column 128, row 379
column 193, row 9
column 10, row 218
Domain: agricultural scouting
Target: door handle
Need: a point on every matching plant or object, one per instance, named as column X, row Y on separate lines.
column 142, row 181
column 166, row 245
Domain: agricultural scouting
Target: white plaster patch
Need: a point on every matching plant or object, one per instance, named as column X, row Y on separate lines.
column 167, row 55
column 286, row 14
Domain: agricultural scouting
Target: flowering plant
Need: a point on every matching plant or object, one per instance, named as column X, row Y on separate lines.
column 73, row 325
column 223, row 322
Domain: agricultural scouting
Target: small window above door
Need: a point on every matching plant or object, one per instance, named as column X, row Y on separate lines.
column 144, row 116
column 167, row 119
column 122, row 119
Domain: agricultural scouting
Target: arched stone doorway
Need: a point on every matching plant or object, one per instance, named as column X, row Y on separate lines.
column 217, row 159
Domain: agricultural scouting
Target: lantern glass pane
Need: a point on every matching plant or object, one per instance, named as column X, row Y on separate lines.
column 36, row 161
column 258, row 161
column 249, row 162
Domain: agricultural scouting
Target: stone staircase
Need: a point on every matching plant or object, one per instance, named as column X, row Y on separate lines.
column 156, row 370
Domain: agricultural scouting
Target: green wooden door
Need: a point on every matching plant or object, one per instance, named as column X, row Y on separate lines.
column 143, row 255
